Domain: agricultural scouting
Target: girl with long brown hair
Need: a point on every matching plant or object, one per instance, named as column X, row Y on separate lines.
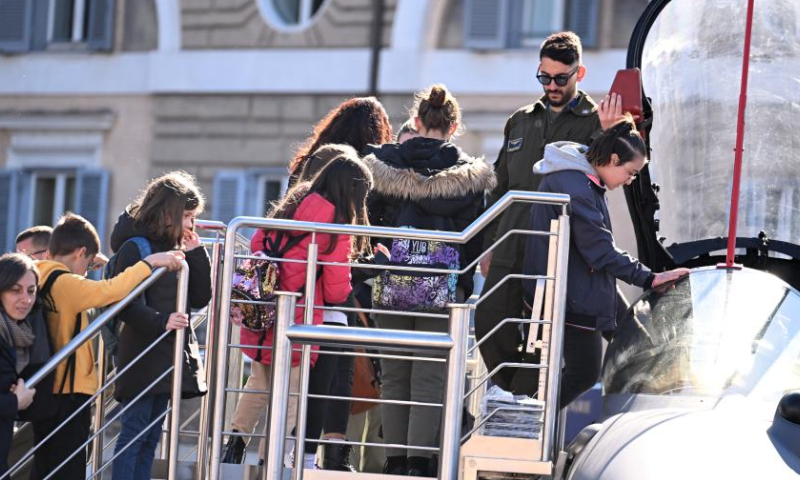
column 357, row 122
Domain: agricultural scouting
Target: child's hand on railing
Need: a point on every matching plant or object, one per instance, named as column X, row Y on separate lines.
column 177, row 321
column 23, row 393
column 170, row 260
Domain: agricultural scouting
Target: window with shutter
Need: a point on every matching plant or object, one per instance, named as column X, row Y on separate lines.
column 228, row 195
column 8, row 209
column 264, row 186
column 100, row 36
column 485, row 23
column 582, row 18
column 15, row 25
column 91, row 198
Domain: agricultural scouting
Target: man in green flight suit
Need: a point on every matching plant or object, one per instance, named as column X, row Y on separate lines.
column 563, row 113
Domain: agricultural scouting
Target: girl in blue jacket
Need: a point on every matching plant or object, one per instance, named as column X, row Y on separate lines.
column 595, row 263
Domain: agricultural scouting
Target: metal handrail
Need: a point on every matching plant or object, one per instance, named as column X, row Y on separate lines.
column 454, row 342
column 390, row 232
column 93, row 328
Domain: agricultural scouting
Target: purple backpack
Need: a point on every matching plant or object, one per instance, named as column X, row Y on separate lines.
column 417, row 292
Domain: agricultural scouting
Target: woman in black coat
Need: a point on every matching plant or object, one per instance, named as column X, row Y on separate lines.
column 18, row 280
column 164, row 216
column 423, row 183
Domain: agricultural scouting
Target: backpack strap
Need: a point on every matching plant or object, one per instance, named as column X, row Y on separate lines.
column 145, row 249
column 49, row 306
column 272, row 247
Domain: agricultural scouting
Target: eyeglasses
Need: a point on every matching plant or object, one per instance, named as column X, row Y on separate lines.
column 561, row 80
column 32, row 254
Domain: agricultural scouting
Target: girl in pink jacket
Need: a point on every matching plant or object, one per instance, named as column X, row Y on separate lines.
column 336, row 195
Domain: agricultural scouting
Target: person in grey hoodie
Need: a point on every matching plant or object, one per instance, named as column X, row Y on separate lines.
column 595, row 262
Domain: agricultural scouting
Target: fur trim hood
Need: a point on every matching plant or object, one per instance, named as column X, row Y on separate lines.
column 399, row 173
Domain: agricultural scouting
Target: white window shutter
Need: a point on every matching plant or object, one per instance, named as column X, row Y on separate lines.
column 583, row 20
column 100, row 35
column 485, row 24
column 16, row 21
column 91, row 198
column 229, row 195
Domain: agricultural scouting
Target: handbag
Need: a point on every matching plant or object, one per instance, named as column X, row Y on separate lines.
column 366, row 375
column 194, row 372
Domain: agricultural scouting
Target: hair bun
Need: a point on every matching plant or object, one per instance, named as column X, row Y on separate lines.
column 438, row 96
column 625, row 124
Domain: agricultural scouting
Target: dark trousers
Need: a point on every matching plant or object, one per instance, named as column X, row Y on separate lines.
column 505, row 302
column 65, row 442
column 582, row 348
column 331, row 375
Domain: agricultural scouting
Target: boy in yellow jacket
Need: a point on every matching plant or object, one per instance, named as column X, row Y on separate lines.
column 74, row 248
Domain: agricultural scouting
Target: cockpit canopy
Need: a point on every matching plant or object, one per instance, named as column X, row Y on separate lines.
column 716, row 332
column 691, row 67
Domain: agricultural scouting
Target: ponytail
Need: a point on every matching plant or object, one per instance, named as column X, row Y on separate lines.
column 437, row 109
column 623, row 139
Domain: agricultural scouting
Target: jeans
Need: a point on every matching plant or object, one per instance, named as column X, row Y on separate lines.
column 136, row 461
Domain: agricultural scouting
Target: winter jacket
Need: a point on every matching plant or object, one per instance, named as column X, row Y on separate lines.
column 8, row 402
column 144, row 320
column 431, row 184
column 594, row 260
column 72, row 295
column 333, row 281
column 526, row 133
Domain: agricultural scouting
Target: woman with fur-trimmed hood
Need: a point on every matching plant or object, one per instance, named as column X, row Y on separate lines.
column 424, row 183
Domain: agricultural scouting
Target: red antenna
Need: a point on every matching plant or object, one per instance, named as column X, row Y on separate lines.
column 739, row 149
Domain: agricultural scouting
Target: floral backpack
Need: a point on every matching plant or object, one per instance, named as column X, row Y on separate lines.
column 417, row 292
column 256, row 280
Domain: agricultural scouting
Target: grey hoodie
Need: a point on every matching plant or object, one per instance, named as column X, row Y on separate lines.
column 560, row 156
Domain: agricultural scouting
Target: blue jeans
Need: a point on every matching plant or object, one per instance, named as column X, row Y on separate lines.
column 136, row 462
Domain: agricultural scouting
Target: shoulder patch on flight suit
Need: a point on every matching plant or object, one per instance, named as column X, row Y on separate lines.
column 514, row 145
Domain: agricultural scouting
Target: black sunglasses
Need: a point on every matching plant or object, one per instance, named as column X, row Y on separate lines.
column 561, row 80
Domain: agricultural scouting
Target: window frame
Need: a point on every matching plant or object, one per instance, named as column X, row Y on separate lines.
column 262, row 179
column 78, row 35
column 269, row 12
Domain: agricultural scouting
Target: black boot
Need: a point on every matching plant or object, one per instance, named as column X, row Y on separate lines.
column 419, row 467
column 234, row 450
column 337, row 457
column 396, row 465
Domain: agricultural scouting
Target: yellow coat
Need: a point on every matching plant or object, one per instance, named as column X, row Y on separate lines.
column 73, row 294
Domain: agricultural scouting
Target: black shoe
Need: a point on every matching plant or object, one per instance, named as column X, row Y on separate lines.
column 337, row 457
column 234, row 450
column 396, row 466
column 419, row 467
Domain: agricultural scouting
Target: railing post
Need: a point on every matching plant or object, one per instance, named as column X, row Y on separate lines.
column 279, row 385
column 181, row 305
column 99, row 408
column 221, row 371
column 211, row 347
column 454, row 391
column 551, row 410
column 305, row 362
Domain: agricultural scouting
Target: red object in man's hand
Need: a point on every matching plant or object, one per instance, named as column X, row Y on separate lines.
column 628, row 84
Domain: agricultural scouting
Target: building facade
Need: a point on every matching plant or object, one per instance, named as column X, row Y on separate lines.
column 97, row 96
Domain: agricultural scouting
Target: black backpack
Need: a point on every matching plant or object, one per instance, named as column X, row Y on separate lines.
column 112, row 330
column 44, row 404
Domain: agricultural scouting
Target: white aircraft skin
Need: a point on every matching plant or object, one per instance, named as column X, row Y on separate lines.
column 682, row 425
